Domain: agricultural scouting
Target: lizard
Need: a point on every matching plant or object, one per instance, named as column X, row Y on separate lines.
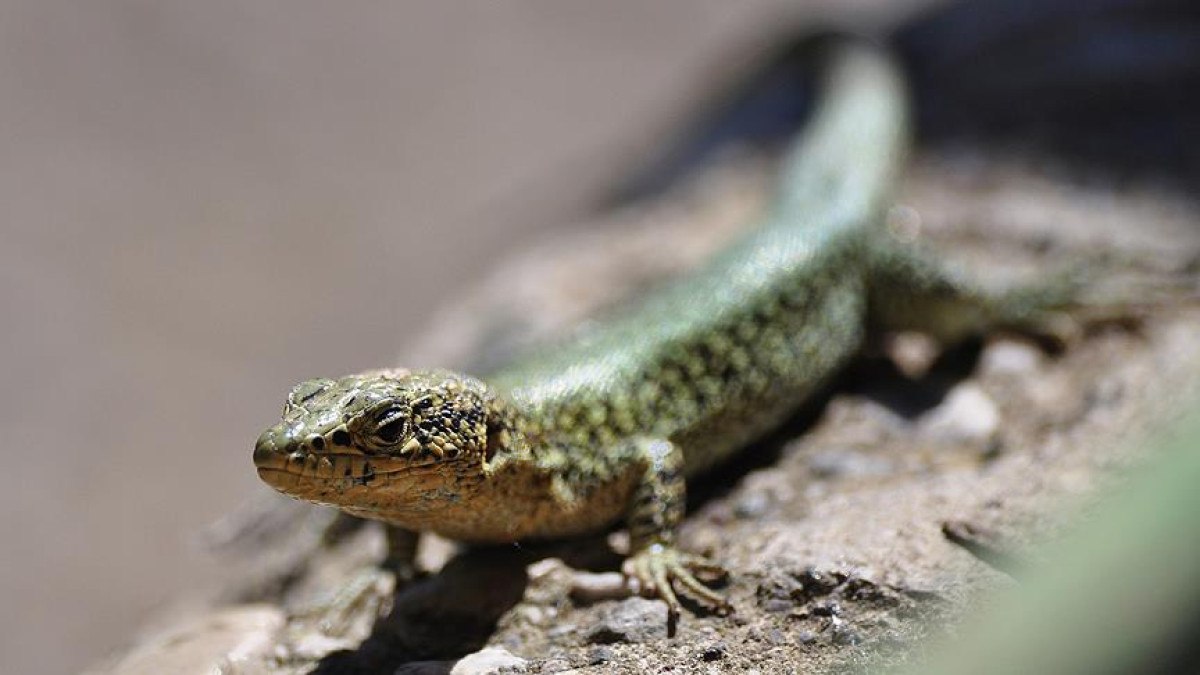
column 610, row 424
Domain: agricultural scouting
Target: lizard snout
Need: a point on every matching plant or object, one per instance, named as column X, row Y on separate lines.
column 272, row 448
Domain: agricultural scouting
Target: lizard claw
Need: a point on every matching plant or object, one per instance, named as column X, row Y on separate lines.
column 658, row 565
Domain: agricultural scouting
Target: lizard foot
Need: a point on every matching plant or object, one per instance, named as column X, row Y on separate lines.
column 658, row 566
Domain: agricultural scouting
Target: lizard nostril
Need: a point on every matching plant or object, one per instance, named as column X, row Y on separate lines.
column 317, row 442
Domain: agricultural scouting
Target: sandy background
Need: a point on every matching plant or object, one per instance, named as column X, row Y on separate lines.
column 206, row 202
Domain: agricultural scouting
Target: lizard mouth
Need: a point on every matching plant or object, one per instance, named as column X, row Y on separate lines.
column 325, row 473
column 374, row 486
column 333, row 479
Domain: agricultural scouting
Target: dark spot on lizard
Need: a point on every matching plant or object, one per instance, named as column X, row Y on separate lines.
column 368, row 475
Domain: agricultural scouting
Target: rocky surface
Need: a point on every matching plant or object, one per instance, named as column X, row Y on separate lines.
column 870, row 522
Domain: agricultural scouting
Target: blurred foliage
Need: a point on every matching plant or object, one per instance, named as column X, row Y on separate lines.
column 1121, row 594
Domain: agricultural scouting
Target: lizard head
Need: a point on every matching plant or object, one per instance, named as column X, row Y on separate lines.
column 379, row 441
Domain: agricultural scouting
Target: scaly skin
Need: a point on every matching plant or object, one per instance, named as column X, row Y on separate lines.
column 608, row 426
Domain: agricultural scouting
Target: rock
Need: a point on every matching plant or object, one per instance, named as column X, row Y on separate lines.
column 632, row 620
column 488, row 661
column 600, row 655
column 752, row 505
column 238, row 638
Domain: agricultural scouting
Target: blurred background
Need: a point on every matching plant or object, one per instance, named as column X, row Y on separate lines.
column 205, row 203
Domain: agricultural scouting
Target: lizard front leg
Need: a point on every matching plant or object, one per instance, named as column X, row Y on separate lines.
column 368, row 591
column 655, row 511
column 401, row 557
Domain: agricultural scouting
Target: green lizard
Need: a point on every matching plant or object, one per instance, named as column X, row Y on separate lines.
column 610, row 425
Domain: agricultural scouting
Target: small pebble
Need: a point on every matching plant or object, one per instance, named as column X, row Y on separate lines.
column 546, row 567
column 776, row 605
column 600, row 655
column 714, row 652
column 535, row 615
column 1010, row 357
column 967, row 414
column 561, row 630
column 752, row 505
column 633, row 620
column 913, row 353
column 596, row 586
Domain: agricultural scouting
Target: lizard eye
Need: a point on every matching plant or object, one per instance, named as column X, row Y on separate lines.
column 391, row 427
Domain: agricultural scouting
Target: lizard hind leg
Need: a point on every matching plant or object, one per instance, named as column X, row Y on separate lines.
column 656, row 509
column 910, row 289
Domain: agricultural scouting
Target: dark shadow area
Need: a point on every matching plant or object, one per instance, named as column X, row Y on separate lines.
column 1107, row 83
column 877, row 378
column 1181, row 654
column 984, row 545
column 761, row 454
column 452, row 613
column 442, row 616
column 872, row 377
column 1106, row 86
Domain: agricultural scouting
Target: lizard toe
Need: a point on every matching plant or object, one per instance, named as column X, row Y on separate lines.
column 661, row 570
